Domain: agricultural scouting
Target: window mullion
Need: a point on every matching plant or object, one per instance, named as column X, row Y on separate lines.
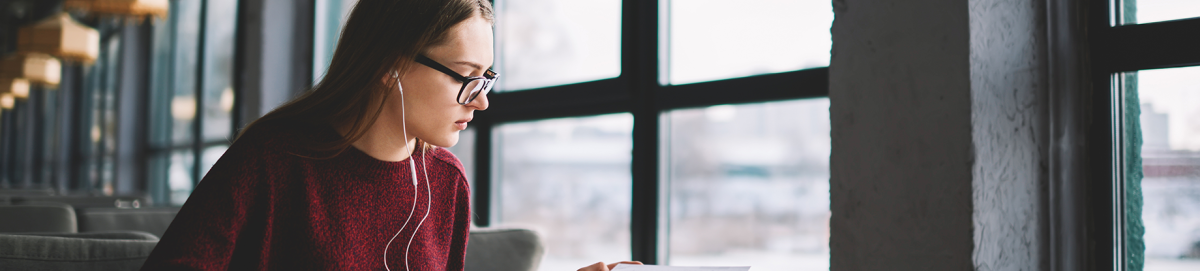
column 1148, row 46
column 482, row 198
column 198, row 121
column 800, row 84
column 640, row 68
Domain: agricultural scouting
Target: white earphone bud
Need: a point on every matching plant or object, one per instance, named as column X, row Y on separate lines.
column 396, row 75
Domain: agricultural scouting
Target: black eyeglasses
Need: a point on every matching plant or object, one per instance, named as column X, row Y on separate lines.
column 473, row 86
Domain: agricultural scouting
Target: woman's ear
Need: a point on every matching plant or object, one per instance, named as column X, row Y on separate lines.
column 392, row 76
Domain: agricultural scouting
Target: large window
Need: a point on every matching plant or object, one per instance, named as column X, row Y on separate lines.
column 669, row 132
column 192, row 96
column 1145, row 155
column 647, row 130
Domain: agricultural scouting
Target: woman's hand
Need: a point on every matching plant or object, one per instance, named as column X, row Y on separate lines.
column 601, row 267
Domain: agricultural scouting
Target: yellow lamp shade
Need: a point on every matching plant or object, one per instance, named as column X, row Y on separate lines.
column 15, row 87
column 7, row 101
column 35, row 67
column 121, row 7
column 60, row 36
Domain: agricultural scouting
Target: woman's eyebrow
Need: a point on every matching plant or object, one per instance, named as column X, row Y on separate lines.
column 471, row 64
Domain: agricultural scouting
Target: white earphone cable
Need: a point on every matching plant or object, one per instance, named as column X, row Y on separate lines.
column 412, row 166
column 428, row 204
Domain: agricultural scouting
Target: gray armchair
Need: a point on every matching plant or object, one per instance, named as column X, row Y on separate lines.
column 38, row 217
column 500, row 249
column 99, row 251
column 153, row 220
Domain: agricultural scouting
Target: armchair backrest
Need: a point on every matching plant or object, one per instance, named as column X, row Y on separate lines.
column 37, row 217
column 502, row 249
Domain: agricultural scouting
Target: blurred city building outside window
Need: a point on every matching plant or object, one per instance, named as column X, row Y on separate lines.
column 749, row 185
column 1170, row 132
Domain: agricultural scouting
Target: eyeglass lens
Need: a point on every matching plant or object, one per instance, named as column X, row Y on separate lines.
column 472, row 90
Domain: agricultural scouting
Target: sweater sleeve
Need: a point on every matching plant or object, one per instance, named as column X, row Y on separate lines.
column 204, row 234
column 462, row 226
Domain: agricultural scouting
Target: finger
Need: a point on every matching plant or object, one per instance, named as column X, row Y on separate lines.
column 614, row 265
column 599, row 266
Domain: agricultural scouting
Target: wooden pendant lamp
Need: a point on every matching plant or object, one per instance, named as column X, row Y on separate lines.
column 157, row 8
column 60, row 36
column 14, row 87
column 6, row 100
column 37, row 68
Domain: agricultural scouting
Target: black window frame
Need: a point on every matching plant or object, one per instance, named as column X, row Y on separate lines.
column 1113, row 50
column 636, row 90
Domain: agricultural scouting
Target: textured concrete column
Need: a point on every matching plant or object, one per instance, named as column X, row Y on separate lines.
column 936, row 114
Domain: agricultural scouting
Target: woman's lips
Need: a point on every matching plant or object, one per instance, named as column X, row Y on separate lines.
column 462, row 123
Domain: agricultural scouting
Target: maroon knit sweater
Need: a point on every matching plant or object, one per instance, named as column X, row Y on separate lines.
column 261, row 207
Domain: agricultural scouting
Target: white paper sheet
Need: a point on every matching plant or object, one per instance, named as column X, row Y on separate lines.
column 634, row 267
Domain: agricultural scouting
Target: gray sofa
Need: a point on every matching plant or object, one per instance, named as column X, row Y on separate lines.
column 102, row 251
column 39, row 235
column 488, row 250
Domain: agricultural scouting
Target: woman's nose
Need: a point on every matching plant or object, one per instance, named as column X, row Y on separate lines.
column 480, row 103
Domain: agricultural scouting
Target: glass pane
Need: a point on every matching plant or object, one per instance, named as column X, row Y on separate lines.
column 87, row 135
column 51, row 147
column 162, row 91
column 218, row 70
column 8, row 142
column 183, row 71
column 465, row 151
column 19, row 140
column 761, row 170
column 569, row 180
column 718, row 39
column 210, row 156
column 543, row 43
column 330, row 17
column 1149, row 11
column 179, row 176
column 1170, row 170
column 105, row 121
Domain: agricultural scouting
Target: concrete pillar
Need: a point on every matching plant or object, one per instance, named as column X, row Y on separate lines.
column 937, row 120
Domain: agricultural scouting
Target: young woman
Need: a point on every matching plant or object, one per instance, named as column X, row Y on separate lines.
column 347, row 176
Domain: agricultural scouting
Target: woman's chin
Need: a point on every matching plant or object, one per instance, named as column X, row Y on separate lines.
column 445, row 141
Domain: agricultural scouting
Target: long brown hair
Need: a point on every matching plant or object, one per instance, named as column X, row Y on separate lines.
column 379, row 37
